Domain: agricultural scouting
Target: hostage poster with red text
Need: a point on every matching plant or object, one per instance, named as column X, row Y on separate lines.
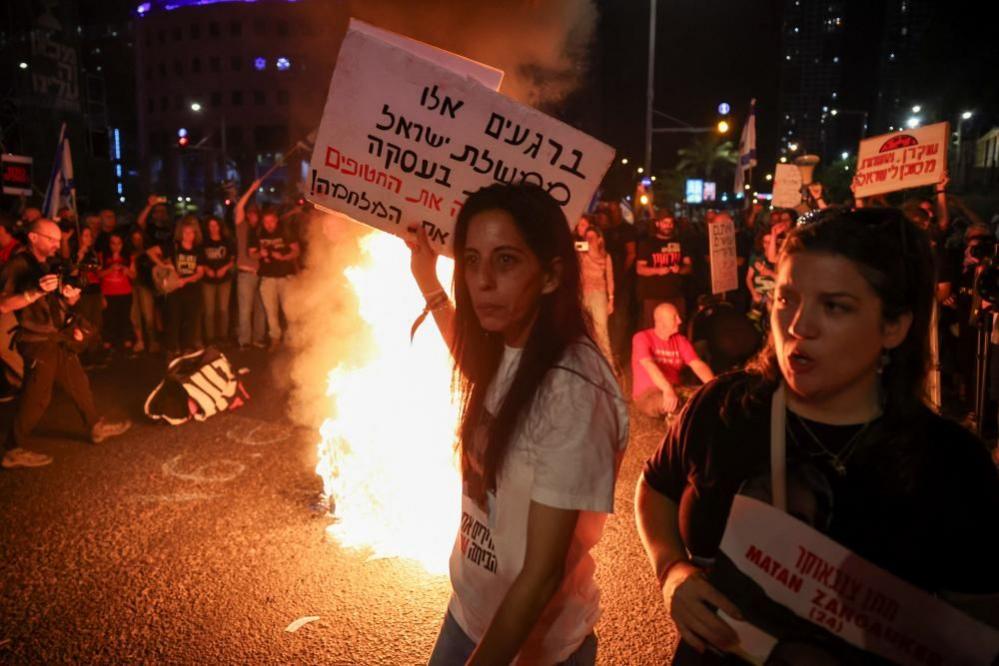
column 409, row 131
column 812, row 577
column 901, row 160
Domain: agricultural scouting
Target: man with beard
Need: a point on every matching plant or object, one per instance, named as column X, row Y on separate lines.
column 663, row 265
column 35, row 292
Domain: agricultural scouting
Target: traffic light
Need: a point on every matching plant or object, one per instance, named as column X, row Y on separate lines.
column 723, row 125
column 182, row 141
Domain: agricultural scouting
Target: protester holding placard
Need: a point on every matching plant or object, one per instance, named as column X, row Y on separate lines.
column 543, row 429
column 855, row 453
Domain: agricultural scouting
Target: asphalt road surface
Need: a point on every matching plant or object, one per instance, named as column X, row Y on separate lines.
column 200, row 544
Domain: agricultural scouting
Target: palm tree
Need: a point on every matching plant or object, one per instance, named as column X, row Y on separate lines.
column 706, row 155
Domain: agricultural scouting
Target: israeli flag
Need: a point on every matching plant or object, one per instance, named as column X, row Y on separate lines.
column 747, row 149
column 61, row 191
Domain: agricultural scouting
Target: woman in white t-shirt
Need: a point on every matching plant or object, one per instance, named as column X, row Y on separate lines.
column 543, row 429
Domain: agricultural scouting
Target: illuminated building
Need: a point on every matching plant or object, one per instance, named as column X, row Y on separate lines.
column 258, row 70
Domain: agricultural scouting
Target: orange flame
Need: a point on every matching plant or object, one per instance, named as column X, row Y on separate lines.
column 387, row 454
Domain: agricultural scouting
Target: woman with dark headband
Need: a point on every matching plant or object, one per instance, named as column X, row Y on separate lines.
column 543, row 428
column 829, row 424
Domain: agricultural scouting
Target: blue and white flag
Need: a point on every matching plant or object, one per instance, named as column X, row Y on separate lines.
column 747, row 149
column 61, row 192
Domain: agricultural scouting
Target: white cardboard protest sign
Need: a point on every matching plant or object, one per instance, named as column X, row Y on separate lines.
column 787, row 186
column 724, row 260
column 823, row 582
column 901, row 160
column 404, row 139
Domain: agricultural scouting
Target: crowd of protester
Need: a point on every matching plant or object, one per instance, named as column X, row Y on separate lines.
column 544, row 355
column 161, row 285
column 165, row 283
column 661, row 256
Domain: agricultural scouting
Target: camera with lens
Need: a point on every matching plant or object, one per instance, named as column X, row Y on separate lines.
column 72, row 274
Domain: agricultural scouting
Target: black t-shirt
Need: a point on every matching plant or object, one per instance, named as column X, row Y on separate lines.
column 616, row 240
column 46, row 315
column 218, row 254
column 658, row 253
column 161, row 237
column 922, row 506
column 277, row 241
column 187, row 261
column 144, row 269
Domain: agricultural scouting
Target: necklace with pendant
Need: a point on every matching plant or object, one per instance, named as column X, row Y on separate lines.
column 837, row 460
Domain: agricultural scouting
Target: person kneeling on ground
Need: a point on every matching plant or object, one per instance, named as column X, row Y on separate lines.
column 32, row 290
column 658, row 355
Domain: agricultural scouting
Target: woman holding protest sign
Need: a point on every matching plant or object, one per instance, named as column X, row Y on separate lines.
column 543, row 428
column 829, row 425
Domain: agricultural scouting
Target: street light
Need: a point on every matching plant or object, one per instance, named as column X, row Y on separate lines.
column 22, row 65
column 641, row 170
column 912, row 123
column 845, row 155
column 960, row 141
column 792, row 147
column 722, row 127
column 196, row 107
column 624, row 160
column 917, row 109
column 769, row 176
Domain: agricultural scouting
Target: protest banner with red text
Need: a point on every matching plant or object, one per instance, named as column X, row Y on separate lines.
column 409, row 131
column 901, row 160
column 821, row 581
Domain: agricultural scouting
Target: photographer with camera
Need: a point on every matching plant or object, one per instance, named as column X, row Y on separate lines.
column 47, row 333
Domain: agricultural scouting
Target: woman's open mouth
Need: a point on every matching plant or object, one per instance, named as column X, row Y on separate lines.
column 800, row 363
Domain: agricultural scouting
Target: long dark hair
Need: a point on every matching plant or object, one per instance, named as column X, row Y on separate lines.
column 894, row 257
column 560, row 320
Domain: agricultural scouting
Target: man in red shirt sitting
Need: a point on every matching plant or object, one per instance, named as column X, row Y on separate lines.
column 658, row 355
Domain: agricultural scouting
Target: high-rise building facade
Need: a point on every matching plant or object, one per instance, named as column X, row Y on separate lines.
column 224, row 89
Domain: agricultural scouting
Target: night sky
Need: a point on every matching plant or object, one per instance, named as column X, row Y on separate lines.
column 707, row 51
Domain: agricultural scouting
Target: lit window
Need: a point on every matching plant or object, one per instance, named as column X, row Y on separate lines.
column 283, row 64
column 260, row 64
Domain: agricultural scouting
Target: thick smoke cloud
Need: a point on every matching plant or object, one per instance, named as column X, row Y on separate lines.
column 541, row 45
